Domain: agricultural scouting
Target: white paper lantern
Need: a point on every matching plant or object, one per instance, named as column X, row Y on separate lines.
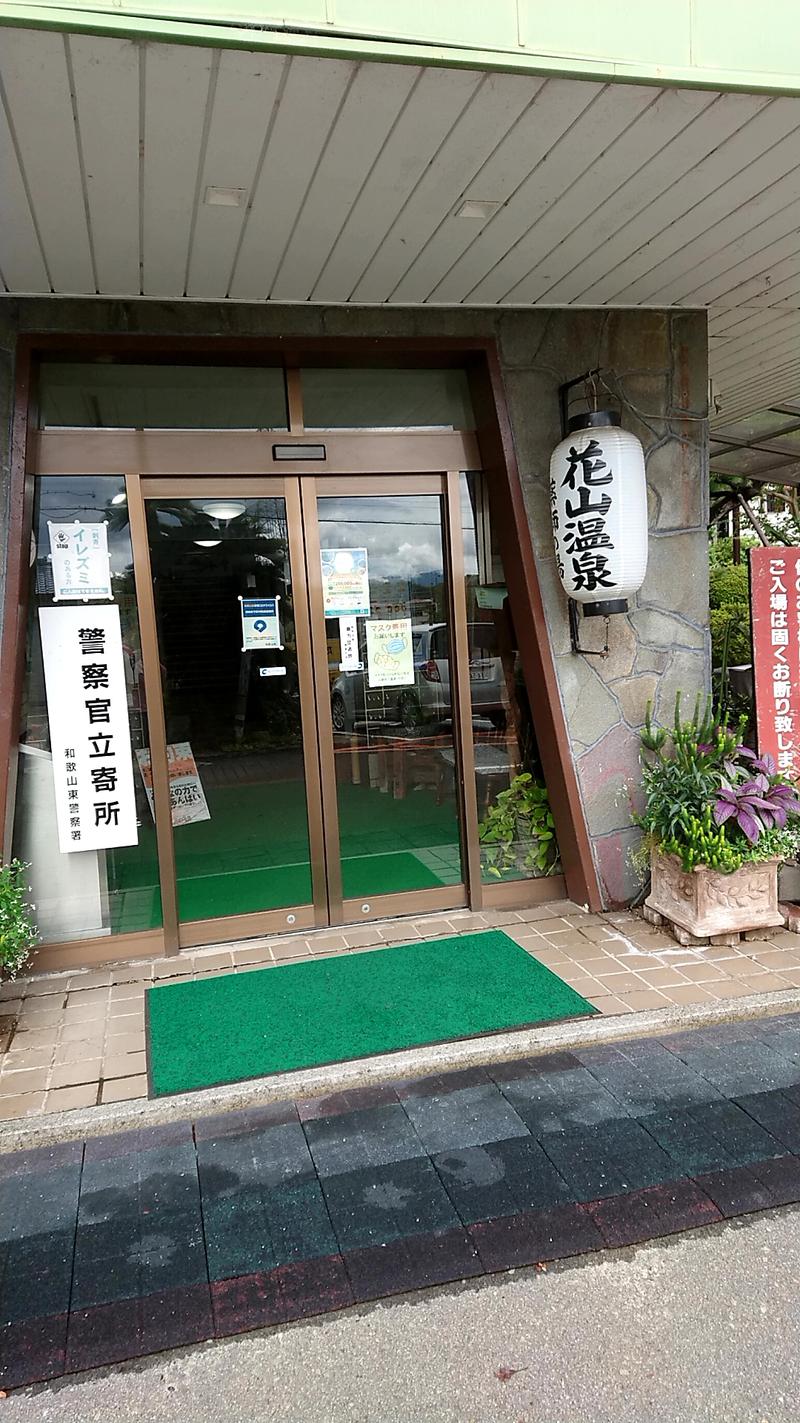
column 598, row 502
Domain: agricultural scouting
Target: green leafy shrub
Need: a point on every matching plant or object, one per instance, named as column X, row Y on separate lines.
column 517, row 833
column 18, row 934
column 709, row 800
column 704, row 843
column 720, row 551
column 728, row 585
column 732, row 621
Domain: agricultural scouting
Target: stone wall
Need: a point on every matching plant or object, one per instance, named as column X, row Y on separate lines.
column 655, row 363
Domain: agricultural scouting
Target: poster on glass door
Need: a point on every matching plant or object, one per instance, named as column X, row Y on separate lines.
column 348, row 646
column 390, row 653
column 345, row 582
column 79, row 561
column 87, row 707
column 261, row 627
column 186, row 795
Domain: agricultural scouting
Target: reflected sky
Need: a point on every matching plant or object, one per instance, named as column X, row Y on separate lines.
column 402, row 533
column 87, row 497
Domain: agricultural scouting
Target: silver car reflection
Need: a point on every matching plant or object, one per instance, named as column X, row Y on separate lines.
column 355, row 703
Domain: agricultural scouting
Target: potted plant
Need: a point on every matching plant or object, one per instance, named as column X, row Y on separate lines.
column 18, row 934
column 718, row 821
column 517, row 834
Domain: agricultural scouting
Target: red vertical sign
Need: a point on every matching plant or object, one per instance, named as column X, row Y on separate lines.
column 775, row 611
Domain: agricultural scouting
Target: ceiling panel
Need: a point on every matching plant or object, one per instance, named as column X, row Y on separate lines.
column 37, row 90
column 738, row 216
column 244, row 100
column 771, row 386
column 760, row 278
column 505, row 178
column 178, row 93
column 106, row 76
column 349, row 178
column 595, row 203
column 607, row 142
column 433, row 153
column 310, row 100
column 21, row 262
column 620, row 223
column 374, row 101
column 456, row 242
column 707, row 195
column 744, row 321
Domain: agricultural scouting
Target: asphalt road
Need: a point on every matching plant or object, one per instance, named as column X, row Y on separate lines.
column 703, row 1327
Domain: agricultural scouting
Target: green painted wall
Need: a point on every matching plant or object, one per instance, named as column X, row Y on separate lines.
column 716, row 43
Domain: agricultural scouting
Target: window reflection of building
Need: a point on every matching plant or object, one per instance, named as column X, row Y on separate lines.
column 503, row 732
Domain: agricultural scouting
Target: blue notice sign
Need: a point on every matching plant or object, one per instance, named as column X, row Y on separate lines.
column 261, row 625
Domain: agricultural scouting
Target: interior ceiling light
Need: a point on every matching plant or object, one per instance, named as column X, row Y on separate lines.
column 225, row 197
column 478, row 207
column 207, row 543
column 120, row 498
column 224, row 509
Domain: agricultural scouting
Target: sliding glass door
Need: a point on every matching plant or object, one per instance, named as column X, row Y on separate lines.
column 305, row 661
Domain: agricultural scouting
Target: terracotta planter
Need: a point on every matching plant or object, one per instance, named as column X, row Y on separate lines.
column 705, row 902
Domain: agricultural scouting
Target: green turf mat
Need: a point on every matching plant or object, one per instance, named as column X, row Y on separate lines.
column 387, row 874
column 243, row 891
column 226, row 1029
column 253, row 854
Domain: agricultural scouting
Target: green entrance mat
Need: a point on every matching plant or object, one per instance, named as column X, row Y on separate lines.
column 250, row 1024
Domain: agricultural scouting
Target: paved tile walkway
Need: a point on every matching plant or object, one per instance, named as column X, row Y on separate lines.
column 78, row 1038
column 125, row 1245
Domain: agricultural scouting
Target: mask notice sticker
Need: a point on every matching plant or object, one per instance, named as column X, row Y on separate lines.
column 390, row 653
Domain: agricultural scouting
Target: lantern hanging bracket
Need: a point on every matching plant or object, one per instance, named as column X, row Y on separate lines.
column 564, row 390
column 574, row 635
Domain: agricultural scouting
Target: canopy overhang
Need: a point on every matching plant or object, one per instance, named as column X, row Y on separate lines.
column 191, row 172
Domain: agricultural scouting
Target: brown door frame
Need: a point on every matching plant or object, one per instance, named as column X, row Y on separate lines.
column 494, row 441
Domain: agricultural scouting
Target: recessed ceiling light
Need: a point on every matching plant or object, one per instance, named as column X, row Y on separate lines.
column 478, row 207
column 225, row 197
column 207, row 543
column 120, row 499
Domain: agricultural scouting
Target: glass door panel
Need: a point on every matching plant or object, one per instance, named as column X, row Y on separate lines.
column 386, row 599
column 83, row 893
column 225, row 614
column 515, row 824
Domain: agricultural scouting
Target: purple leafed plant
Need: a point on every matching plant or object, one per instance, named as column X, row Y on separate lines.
column 756, row 805
column 762, row 765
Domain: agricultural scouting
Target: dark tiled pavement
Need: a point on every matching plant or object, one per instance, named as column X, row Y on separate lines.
column 125, row 1245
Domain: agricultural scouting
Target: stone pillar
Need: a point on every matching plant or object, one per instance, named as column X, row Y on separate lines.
column 655, row 365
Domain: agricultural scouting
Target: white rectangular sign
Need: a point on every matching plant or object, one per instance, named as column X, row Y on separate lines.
column 80, row 562
column 87, row 707
column 260, row 623
column 348, row 645
column 390, row 653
